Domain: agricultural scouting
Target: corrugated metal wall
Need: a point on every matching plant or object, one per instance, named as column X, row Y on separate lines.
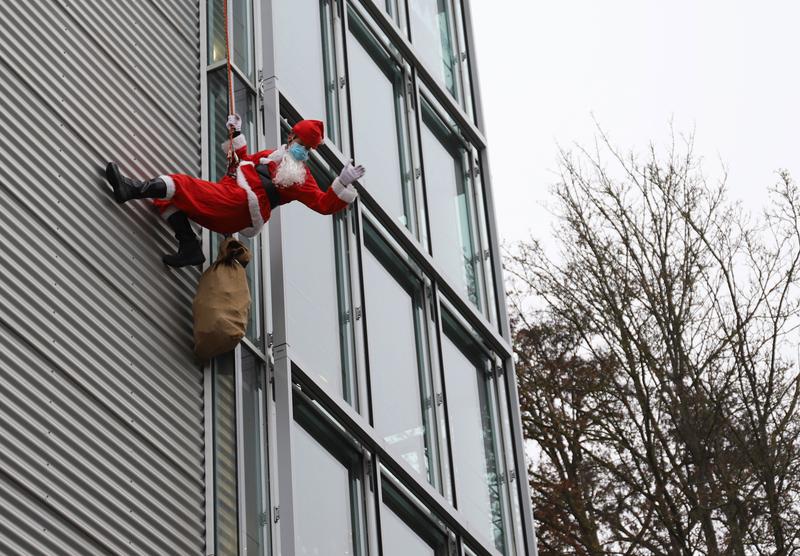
column 101, row 404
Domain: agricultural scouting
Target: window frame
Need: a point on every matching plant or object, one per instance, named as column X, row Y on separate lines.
column 412, row 280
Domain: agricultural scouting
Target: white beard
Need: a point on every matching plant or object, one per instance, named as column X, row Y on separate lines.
column 290, row 171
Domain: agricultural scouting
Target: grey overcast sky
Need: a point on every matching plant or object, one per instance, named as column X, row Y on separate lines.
column 729, row 70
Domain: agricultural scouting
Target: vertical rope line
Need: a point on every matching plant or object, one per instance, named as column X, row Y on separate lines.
column 231, row 103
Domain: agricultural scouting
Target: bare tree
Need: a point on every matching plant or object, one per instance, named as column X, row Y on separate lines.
column 679, row 387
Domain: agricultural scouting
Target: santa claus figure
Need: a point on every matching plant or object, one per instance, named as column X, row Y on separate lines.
column 242, row 202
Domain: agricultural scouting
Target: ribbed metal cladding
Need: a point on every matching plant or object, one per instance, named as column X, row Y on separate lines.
column 101, row 402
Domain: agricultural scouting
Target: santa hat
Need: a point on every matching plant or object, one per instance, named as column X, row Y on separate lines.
column 310, row 132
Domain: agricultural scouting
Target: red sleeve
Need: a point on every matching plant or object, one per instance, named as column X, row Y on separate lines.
column 309, row 193
column 239, row 146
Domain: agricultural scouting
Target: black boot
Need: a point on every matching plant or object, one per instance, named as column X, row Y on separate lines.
column 190, row 250
column 126, row 189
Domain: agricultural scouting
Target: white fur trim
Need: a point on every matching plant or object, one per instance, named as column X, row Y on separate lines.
column 256, row 219
column 347, row 194
column 170, row 186
column 238, row 142
column 275, row 156
column 169, row 211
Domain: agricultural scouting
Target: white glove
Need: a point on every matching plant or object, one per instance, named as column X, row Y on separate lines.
column 351, row 173
column 234, row 121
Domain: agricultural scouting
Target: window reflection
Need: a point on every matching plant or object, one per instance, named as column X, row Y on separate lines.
column 377, row 96
column 305, row 58
column 255, row 465
column 448, row 189
column 218, row 114
column 433, row 38
column 472, row 428
column 399, row 539
column 395, row 334
column 225, row 479
column 242, row 40
column 318, row 311
column 326, row 499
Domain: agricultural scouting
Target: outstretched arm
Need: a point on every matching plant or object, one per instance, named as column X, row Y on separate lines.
column 340, row 194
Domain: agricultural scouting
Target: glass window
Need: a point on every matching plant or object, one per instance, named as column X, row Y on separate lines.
column 305, row 59
column 447, row 187
column 475, row 459
column 399, row 539
column 242, row 40
column 216, row 31
column 395, row 333
column 377, row 99
column 518, row 480
column 407, row 527
column 433, row 38
column 255, row 464
column 253, row 272
column 225, row 482
column 324, row 499
column 317, row 293
column 245, row 101
column 485, row 254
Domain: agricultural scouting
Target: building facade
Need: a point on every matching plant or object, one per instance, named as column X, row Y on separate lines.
column 372, row 407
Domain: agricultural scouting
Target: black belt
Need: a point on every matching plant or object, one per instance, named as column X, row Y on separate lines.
column 269, row 187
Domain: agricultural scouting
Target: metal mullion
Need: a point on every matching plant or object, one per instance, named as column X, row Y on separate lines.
column 208, row 372
column 244, row 79
column 340, row 53
column 418, row 163
column 255, row 350
column 492, row 395
column 215, row 66
column 263, row 427
column 362, row 333
column 380, row 20
column 453, row 494
column 378, row 505
column 512, row 491
column 437, row 384
column 365, row 433
column 477, row 239
column 240, row 457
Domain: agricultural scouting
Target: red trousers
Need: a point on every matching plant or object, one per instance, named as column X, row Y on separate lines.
column 221, row 207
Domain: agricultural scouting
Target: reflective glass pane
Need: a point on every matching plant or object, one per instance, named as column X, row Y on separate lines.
column 255, row 465
column 398, row 383
column 399, row 539
column 317, row 306
column 378, row 113
column 446, row 185
column 218, row 114
column 225, row 478
column 242, row 41
column 475, row 464
column 485, row 255
column 433, row 39
column 254, row 281
column 216, row 31
column 323, row 522
column 303, row 42
column 516, row 482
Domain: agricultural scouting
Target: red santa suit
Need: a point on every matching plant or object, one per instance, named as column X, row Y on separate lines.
column 242, row 204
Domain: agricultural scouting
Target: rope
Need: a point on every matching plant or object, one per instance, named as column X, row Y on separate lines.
column 231, row 156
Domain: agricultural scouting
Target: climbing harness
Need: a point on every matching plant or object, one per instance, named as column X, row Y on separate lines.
column 231, row 155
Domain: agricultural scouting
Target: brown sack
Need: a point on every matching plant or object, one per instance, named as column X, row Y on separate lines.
column 222, row 304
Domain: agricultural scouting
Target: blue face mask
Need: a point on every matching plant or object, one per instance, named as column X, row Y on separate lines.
column 298, row 152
